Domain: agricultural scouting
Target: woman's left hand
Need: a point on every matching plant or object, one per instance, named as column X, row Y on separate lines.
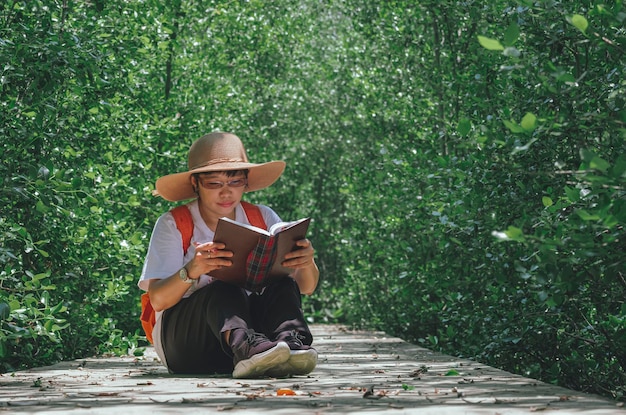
column 300, row 258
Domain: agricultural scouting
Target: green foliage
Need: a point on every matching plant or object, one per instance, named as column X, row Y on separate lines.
column 464, row 166
column 69, row 220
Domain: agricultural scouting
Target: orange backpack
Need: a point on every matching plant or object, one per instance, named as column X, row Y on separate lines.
column 184, row 223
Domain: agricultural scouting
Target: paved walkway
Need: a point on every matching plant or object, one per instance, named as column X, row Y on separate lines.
column 358, row 372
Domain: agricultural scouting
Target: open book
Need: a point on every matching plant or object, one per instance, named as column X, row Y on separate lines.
column 257, row 253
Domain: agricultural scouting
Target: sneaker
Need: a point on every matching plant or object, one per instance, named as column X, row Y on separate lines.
column 302, row 357
column 255, row 354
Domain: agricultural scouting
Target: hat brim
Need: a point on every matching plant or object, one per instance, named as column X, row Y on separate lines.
column 177, row 186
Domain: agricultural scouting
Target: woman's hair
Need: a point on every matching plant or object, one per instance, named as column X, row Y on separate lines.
column 228, row 173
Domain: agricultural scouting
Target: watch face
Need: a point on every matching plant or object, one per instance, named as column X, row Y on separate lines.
column 183, row 275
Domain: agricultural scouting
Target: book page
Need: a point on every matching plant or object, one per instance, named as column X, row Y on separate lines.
column 246, row 226
column 282, row 226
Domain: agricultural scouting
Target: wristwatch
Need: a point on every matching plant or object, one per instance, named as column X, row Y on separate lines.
column 184, row 277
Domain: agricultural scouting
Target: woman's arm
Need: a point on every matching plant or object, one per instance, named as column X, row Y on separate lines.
column 302, row 261
column 167, row 292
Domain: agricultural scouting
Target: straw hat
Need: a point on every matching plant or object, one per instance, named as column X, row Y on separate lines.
column 217, row 152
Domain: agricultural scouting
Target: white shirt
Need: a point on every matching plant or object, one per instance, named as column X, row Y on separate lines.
column 165, row 253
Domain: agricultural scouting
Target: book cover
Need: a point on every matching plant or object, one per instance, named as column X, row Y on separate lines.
column 257, row 253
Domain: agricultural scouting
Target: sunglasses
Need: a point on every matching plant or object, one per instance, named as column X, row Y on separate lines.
column 217, row 184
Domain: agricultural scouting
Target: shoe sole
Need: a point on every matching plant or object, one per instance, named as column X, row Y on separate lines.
column 301, row 362
column 260, row 363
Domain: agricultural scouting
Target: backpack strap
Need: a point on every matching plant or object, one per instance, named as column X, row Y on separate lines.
column 184, row 223
column 255, row 217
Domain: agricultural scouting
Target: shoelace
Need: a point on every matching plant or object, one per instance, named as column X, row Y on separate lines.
column 294, row 337
column 254, row 338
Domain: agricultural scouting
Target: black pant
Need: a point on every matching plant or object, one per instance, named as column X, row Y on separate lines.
column 192, row 330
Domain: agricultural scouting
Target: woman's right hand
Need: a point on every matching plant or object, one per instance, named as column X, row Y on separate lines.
column 209, row 256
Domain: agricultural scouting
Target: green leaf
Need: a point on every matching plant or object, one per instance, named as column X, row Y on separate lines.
column 514, row 233
column 599, row 163
column 547, row 201
column 490, row 44
column 586, row 216
column 464, row 127
column 566, row 77
column 529, row 122
column 41, row 207
column 586, row 155
column 139, row 351
column 452, row 372
column 513, row 126
column 511, row 234
column 593, row 160
column 619, row 167
column 41, row 276
column 610, row 221
column 511, row 34
column 579, row 22
column 5, row 310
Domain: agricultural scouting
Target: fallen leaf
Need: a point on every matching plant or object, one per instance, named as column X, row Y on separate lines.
column 369, row 393
column 418, row 372
column 252, row 397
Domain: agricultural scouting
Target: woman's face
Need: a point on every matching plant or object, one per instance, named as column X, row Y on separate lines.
column 220, row 192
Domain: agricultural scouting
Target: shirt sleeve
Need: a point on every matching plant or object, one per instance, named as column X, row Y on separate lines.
column 165, row 251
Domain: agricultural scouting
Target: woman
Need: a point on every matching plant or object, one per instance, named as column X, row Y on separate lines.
column 209, row 326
